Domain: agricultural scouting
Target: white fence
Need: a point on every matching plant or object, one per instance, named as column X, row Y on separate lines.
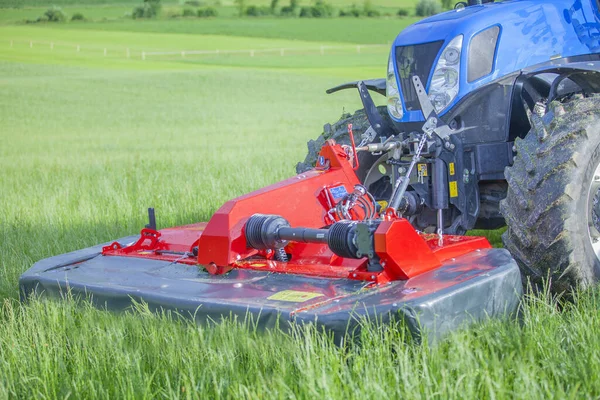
column 143, row 54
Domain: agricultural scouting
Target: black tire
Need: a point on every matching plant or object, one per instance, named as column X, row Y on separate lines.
column 546, row 207
column 339, row 132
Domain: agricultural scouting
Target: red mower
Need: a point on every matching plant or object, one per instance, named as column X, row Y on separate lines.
column 313, row 248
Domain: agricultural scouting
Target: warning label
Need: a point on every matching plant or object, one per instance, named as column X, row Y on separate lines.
column 453, row 189
column 294, row 296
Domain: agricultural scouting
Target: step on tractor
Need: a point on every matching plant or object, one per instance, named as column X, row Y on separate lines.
column 492, row 119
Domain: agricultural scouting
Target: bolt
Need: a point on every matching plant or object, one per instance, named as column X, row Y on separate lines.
column 447, row 145
column 354, row 275
column 372, row 276
column 238, row 257
column 597, row 178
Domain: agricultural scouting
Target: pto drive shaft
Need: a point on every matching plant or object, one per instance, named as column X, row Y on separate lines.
column 349, row 239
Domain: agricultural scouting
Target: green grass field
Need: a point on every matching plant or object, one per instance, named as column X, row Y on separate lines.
column 89, row 141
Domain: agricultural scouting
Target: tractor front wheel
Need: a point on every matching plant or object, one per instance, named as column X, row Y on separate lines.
column 552, row 207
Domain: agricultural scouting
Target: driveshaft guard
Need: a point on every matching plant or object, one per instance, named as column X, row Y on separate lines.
column 474, row 287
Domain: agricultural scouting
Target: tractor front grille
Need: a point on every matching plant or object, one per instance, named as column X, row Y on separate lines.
column 415, row 60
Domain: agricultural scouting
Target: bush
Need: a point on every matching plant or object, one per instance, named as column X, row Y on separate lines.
column 290, row 11
column 188, row 12
column 425, row 8
column 319, row 10
column 207, row 12
column 403, row 12
column 149, row 9
column 352, row 12
column 369, row 10
column 54, row 14
column 258, row 11
column 194, row 3
column 78, row 17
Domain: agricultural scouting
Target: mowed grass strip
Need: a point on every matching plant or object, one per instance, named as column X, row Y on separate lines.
column 347, row 30
column 134, row 50
column 98, row 39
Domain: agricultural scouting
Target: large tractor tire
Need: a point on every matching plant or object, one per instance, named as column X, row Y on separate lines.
column 339, row 132
column 552, row 207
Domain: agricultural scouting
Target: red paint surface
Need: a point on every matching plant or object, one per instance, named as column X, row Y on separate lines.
column 304, row 202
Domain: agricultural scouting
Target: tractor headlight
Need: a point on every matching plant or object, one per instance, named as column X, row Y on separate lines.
column 444, row 82
column 394, row 105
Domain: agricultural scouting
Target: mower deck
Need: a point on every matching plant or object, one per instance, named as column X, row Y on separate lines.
column 473, row 287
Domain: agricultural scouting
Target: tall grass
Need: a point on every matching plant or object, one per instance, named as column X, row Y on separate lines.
column 52, row 350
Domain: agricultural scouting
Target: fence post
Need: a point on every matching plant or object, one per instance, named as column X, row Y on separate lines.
column 104, row 52
column 251, row 53
column 128, row 54
column 78, row 48
column 358, row 49
column 183, row 54
column 282, row 52
column 31, row 44
column 11, row 43
column 322, row 50
column 51, row 45
column 143, row 56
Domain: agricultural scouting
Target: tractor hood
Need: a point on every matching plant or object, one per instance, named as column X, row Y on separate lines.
column 525, row 33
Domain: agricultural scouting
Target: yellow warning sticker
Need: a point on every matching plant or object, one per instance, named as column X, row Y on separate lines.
column 451, row 168
column 453, row 189
column 422, row 169
column 383, row 204
column 294, row 296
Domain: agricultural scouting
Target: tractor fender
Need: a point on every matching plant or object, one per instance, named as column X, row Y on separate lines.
column 585, row 73
column 376, row 85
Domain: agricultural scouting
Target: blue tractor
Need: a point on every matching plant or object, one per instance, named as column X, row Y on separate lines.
column 492, row 119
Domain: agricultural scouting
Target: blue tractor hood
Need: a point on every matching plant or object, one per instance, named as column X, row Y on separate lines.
column 532, row 32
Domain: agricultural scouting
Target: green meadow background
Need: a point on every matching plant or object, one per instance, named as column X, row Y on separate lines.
column 96, row 126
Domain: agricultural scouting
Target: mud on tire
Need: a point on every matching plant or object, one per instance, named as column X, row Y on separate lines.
column 549, row 184
column 339, row 132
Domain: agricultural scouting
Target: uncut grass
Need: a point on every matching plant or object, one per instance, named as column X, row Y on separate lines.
column 55, row 349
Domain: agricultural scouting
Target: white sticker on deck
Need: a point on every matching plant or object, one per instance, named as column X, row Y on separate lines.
column 294, row 296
